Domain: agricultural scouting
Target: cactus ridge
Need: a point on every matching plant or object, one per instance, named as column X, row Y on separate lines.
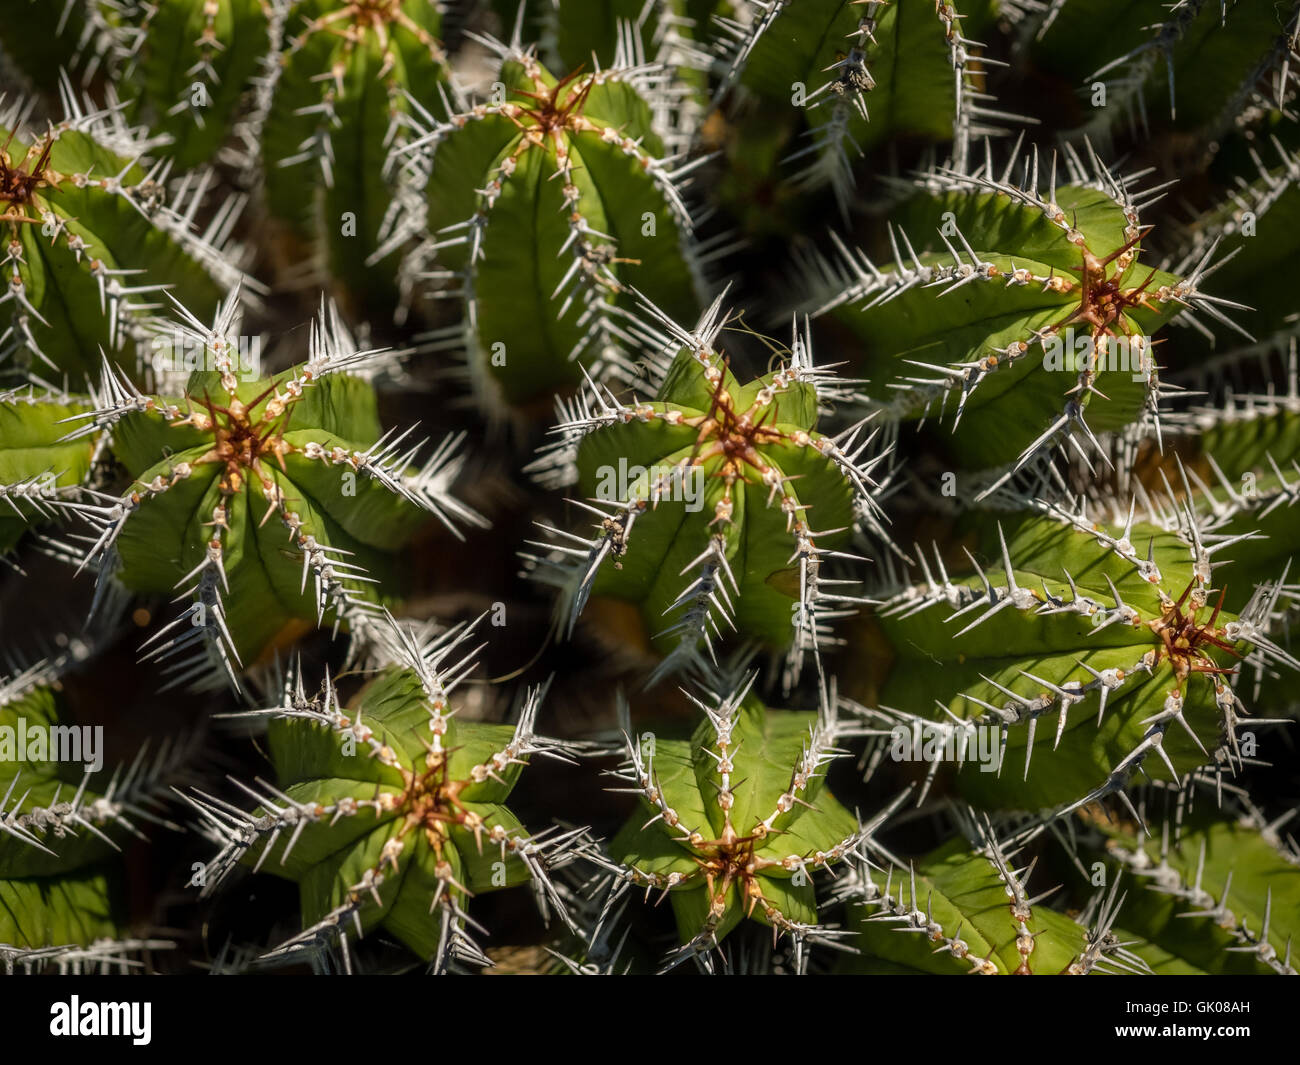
column 659, row 36
column 734, row 836
column 1172, row 644
column 978, row 910
column 62, row 184
column 58, row 827
column 837, row 105
column 1188, row 855
column 1249, row 49
column 189, row 69
column 38, row 475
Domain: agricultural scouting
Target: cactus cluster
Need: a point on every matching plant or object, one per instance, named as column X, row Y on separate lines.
column 797, row 486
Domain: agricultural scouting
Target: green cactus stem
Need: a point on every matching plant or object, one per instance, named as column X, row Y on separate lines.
column 559, row 189
column 1076, row 613
column 1031, row 327
column 334, row 124
column 188, row 67
column 90, row 242
column 38, row 471
column 863, row 73
column 63, row 818
column 965, row 908
column 1222, row 887
column 718, row 504
column 735, row 822
column 268, row 502
column 391, row 813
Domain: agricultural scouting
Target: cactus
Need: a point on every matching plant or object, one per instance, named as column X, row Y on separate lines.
column 718, row 504
column 391, row 813
column 739, row 822
column 338, row 113
column 188, row 66
column 678, row 34
column 1142, row 67
column 863, row 73
column 38, row 471
column 1050, row 338
column 41, row 39
column 63, row 818
column 245, row 491
column 953, row 905
column 1255, row 234
column 1190, row 868
column 91, row 241
column 562, row 183
column 1073, row 607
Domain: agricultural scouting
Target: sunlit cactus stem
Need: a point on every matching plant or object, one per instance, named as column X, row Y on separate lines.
column 269, row 502
column 718, row 505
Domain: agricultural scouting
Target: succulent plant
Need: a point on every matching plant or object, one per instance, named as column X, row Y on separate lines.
column 1254, row 234
column 561, row 185
column 717, row 504
column 63, row 817
column 1141, row 66
column 981, row 627
column 91, row 240
column 679, row 35
column 268, row 500
column 187, row 66
column 348, row 83
column 391, row 812
column 1220, row 890
column 1074, row 612
column 735, row 822
column 37, row 469
column 967, row 907
column 863, row 73
column 1050, row 337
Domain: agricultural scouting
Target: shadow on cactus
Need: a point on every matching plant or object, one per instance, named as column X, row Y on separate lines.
column 269, row 502
column 718, row 504
column 390, row 813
